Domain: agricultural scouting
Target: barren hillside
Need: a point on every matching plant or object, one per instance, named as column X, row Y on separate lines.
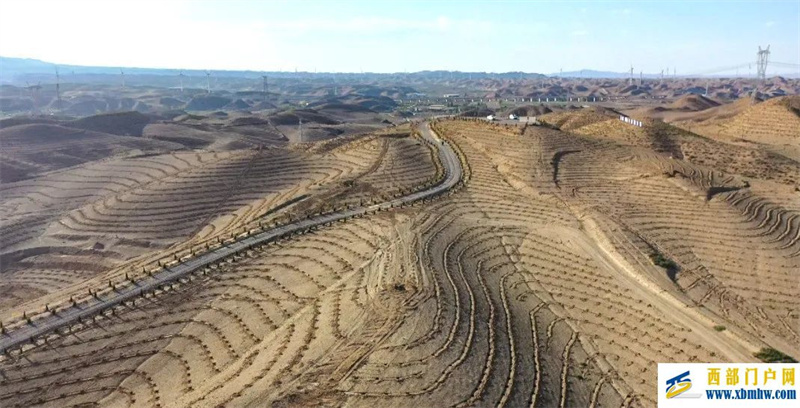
column 558, row 274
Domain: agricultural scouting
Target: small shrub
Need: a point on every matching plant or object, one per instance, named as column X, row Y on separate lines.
column 770, row 355
column 662, row 261
column 719, row 328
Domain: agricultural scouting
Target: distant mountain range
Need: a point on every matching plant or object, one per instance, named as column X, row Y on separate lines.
column 16, row 69
column 20, row 70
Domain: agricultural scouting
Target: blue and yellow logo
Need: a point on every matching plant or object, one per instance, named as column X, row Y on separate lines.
column 678, row 385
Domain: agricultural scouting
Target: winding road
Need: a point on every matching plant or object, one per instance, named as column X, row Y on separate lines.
column 17, row 337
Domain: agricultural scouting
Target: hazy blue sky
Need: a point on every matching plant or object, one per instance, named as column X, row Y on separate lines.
column 382, row 36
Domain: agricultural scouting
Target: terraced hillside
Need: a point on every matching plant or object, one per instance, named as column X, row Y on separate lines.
column 73, row 225
column 772, row 125
column 774, row 119
column 559, row 274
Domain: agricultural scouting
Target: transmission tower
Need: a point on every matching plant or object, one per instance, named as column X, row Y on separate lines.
column 763, row 59
column 208, row 82
column 630, row 78
column 180, row 75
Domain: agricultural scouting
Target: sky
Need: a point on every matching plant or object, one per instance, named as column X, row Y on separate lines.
column 402, row 36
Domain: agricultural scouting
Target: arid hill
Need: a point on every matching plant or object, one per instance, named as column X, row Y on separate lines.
column 121, row 123
column 693, row 103
column 571, row 258
column 207, row 103
column 29, row 150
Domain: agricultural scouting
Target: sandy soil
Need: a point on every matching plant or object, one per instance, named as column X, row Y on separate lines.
column 534, row 284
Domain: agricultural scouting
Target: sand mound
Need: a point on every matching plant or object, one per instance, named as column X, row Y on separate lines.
column 531, row 110
column 249, row 121
column 378, row 104
column 316, row 134
column 193, row 136
column 119, row 123
column 307, row 115
column 207, row 103
column 33, row 149
column 778, row 117
column 86, row 108
column 25, row 120
column 238, row 104
column 343, row 107
column 263, row 105
column 693, row 103
column 574, row 119
column 171, row 103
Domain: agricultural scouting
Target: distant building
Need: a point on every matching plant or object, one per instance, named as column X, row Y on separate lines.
column 490, row 117
column 452, row 95
column 512, row 117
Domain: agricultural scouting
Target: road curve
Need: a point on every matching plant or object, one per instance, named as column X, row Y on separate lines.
column 64, row 318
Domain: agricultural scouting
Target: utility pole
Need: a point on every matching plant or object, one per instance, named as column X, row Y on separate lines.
column 763, row 59
column 208, row 82
column 641, row 78
column 122, row 74
column 180, row 75
column 266, row 86
column 58, row 87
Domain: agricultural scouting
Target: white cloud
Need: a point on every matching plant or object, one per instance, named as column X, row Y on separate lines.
column 769, row 24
